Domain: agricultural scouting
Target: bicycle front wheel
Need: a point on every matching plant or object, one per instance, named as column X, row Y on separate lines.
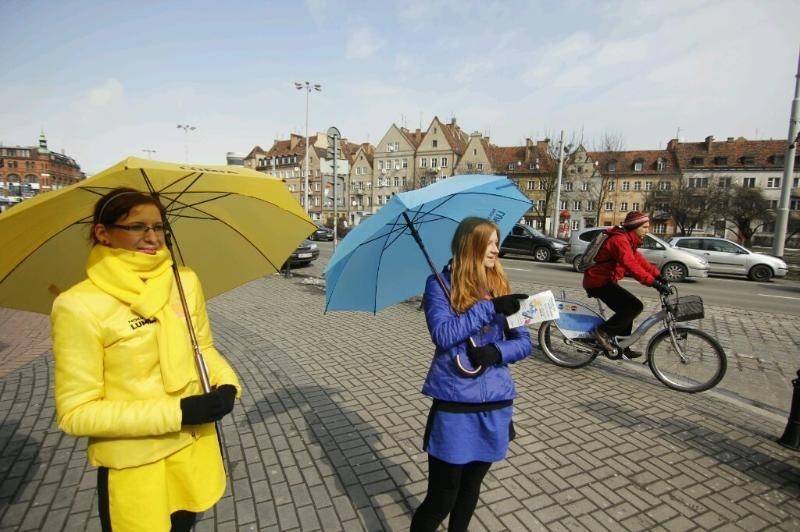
column 701, row 367
column 557, row 348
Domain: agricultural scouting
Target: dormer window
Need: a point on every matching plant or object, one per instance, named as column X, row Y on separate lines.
column 777, row 159
column 721, row 161
column 748, row 160
column 696, row 161
column 637, row 165
column 661, row 164
column 612, row 166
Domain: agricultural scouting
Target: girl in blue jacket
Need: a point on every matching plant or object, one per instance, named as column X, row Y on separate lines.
column 469, row 424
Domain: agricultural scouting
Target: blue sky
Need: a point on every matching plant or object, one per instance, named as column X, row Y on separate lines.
column 109, row 79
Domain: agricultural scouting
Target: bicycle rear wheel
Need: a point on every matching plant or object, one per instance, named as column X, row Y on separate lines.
column 555, row 347
column 703, row 366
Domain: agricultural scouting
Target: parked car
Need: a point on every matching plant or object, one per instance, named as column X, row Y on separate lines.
column 305, row 254
column 524, row 240
column 675, row 264
column 322, row 233
column 727, row 257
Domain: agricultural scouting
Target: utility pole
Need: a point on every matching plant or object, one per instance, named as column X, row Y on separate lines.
column 557, row 209
column 333, row 151
column 186, row 128
column 308, row 88
column 782, row 218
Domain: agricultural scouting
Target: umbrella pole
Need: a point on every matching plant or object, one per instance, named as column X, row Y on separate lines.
column 421, row 245
column 202, row 370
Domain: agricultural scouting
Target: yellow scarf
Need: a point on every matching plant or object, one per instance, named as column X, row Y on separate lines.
column 145, row 283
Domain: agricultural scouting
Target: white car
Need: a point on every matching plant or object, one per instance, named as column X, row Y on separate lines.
column 727, row 257
column 675, row 264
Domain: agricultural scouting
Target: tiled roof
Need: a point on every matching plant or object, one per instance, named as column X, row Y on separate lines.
column 729, row 154
column 625, row 161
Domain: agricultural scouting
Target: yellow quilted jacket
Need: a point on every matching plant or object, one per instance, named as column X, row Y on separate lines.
column 108, row 384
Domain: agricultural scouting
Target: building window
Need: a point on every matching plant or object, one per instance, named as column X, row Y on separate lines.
column 575, row 225
column 474, row 151
column 721, row 161
column 585, row 186
column 725, row 181
column 664, row 185
column 777, row 159
column 635, row 206
column 562, row 205
column 567, row 186
column 423, row 162
column 591, row 205
column 390, row 146
column 612, row 166
column 380, row 165
column 648, row 186
column 698, row 182
column 396, row 181
column 696, row 161
column 660, row 228
column 795, row 182
column 610, row 186
column 794, row 205
column 749, row 182
column 773, row 182
column 638, row 165
column 444, row 162
column 405, row 163
column 480, row 166
column 423, row 181
column 609, row 205
column 626, row 186
column 434, row 162
column 748, row 160
column 540, row 204
column 510, row 166
column 661, row 164
column 623, row 207
column 469, row 166
column 435, row 143
column 773, row 204
column 530, row 185
column 576, row 205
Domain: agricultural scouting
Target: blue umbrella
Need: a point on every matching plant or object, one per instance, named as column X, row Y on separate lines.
column 387, row 258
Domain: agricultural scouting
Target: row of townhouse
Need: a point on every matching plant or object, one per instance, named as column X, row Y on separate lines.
column 26, row 171
column 598, row 187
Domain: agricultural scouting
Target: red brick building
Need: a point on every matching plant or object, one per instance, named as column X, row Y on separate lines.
column 31, row 170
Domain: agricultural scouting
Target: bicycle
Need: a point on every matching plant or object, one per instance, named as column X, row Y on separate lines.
column 683, row 358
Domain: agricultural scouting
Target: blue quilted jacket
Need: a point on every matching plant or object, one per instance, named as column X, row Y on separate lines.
column 450, row 332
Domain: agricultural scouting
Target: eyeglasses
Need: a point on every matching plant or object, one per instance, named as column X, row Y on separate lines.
column 140, row 228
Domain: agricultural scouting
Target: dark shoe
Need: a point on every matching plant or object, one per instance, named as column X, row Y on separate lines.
column 602, row 339
column 630, row 353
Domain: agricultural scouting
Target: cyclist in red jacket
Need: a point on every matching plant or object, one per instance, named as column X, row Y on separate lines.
column 618, row 257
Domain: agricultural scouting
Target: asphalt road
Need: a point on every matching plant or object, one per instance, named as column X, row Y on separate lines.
column 780, row 296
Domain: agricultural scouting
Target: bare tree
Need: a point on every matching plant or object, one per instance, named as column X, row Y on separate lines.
column 688, row 206
column 549, row 178
column 740, row 208
column 611, row 146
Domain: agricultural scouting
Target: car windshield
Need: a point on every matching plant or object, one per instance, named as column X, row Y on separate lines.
column 538, row 233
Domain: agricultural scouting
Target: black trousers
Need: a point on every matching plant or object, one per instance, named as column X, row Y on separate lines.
column 452, row 489
column 625, row 305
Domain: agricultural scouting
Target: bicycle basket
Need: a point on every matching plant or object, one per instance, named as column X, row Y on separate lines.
column 688, row 308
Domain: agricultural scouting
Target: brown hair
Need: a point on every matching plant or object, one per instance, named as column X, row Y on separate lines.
column 117, row 204
column 471, row 281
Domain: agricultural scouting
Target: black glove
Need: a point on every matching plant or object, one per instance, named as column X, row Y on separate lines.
column 208, row 407
column 662, row 287
column 662, row 279
column 509, row 304
column 486, row 355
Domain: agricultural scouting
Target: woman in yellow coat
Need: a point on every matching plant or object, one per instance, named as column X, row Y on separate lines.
column 125, row 375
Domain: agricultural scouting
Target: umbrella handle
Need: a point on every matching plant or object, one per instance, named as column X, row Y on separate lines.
column 465, row 371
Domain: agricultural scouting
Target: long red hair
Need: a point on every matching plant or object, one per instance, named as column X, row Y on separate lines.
column 471, row 281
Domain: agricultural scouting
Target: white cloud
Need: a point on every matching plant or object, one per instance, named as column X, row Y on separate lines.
column 103, row 95
column 363, row 43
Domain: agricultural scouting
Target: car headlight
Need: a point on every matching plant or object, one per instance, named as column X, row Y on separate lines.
column 312, row 246
column 558, row 245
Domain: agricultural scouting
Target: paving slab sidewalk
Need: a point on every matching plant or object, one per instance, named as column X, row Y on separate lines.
column 327, row 435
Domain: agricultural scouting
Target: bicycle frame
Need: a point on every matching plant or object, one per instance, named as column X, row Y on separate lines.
column 577, row 321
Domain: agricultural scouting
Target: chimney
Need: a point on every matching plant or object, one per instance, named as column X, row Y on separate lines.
column 294, row 140
column 672, row 145
column 709, row 141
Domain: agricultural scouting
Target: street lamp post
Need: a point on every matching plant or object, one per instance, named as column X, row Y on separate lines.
column 186, row 128
column 150, row 152
column 556, row 217
column 308, row 88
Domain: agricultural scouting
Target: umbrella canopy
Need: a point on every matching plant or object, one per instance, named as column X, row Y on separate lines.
column 380, row 262
column 229, row 223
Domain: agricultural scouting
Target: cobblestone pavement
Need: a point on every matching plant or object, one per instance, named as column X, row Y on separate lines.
column 327, row 434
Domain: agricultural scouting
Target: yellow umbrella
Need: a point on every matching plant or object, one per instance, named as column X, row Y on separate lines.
column 230, row 224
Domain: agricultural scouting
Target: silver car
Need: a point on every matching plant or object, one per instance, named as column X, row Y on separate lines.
column 675, row 264
column 727, row 257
